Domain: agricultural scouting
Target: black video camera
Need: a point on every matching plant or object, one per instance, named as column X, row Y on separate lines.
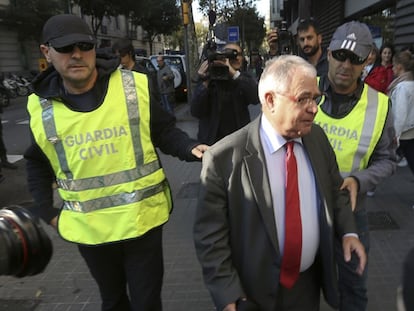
column 218, row 71
column 221, row 55
column 285, row 40
column 25, row 248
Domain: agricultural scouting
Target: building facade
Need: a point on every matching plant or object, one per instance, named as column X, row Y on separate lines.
column 332, row 13
column 22, row 57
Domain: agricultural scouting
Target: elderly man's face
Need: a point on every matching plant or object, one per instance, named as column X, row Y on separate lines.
column 292, row 112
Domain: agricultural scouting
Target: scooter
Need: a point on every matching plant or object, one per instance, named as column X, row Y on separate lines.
column 4, row 96
column 17, row 86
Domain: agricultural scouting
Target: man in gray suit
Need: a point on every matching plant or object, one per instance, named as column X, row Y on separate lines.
column 240, row 220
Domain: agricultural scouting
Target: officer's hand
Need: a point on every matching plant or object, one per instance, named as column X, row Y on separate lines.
column 53, row 222
column 351, row 185
column 230, row 307
column 198, row 150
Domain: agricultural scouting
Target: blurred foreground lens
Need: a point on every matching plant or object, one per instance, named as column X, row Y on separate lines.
column 25, row 248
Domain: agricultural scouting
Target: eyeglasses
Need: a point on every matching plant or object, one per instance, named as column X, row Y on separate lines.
column 343, row 55
column 304, row 101
column 83, row 46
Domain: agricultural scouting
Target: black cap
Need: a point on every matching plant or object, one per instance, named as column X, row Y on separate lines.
column 353, row 36
column 66, row 29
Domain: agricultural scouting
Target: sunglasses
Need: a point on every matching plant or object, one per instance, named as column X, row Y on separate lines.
column 342, row 55
column 83, row 46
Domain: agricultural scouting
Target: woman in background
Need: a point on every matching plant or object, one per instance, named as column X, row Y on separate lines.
column 401, row 92
column 371, row 63
column 381, row 75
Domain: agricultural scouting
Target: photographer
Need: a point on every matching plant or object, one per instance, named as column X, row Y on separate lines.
column 220, row 101
column 309, row 40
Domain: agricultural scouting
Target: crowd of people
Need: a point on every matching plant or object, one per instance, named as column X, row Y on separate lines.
column 285, row 187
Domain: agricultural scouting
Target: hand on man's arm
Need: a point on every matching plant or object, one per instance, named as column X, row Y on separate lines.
column 351, row 184
column 199, row 150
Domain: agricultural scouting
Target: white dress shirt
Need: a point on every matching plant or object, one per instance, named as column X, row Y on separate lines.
column 273, row 146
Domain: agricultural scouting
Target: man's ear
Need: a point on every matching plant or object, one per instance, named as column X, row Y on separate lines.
column 45, row 51
column 328, row 54
column 269, row 101
column 320, row 39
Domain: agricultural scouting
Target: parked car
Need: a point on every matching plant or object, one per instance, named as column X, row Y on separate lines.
column 147, row 63
column 177, row 65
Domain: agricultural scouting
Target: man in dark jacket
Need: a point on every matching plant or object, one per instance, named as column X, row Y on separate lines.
column 124, row 49
column 165, row 78
column 220, row 102
column 4, row 162
column 94, row 130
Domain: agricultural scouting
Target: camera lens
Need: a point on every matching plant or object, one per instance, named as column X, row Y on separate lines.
column 25, row 248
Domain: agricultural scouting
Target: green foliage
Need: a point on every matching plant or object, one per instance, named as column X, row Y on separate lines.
column 159, row 17
column 251, row 26
column 98, row 9
column 28, row 16
column 384, row 20
column 224, row 8
column 240, row 13
column 176, row 40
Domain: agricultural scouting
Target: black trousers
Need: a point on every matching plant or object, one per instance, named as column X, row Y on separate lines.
column 129, row 273
column 407, row 149
column 304, row 295
column 3, row 151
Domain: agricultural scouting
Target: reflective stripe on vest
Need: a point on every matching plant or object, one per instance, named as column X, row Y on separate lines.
column 355, row 136
column 133, row 185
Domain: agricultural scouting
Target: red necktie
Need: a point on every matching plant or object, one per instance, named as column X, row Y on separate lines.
column 293, row 226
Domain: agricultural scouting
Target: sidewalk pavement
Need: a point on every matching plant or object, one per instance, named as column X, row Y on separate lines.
column 67, row 285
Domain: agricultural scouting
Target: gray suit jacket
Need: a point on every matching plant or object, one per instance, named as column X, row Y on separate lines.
column 235, row 231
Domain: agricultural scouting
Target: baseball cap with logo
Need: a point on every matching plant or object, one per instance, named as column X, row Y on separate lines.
column 352, row 36
column 66, row 29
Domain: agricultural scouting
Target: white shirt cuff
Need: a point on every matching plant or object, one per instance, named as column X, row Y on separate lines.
column 236, row 75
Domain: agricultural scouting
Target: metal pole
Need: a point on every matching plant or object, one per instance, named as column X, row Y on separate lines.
column 186, row 21
column 187, row 64
column 69, row 6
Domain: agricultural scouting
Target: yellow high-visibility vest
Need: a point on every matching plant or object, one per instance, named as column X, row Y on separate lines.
column 108, row 172
column 355, row 136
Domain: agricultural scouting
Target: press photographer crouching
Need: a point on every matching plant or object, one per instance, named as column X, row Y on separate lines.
column 221, row 99
column 25, row 248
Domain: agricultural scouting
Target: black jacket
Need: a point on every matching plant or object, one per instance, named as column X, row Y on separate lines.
column 222, row 107
column 48, row 84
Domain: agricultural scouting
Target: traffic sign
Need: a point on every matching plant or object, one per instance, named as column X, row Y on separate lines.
column 233, row 33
